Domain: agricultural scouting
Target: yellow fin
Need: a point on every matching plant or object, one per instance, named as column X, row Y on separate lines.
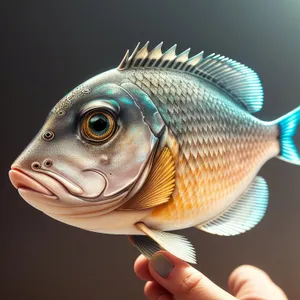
column 159, row 185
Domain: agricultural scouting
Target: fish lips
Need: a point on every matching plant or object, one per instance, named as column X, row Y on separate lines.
column 50, row 183
column 47, row 185
column 29, row 188
column 22, row 181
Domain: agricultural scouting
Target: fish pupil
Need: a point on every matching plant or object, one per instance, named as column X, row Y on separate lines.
column 99, row 124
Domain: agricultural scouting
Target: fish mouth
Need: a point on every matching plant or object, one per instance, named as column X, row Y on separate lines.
column 40, row 189
column 24, row 182
column 45, row 193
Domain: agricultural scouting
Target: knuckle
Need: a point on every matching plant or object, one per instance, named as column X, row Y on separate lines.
column 191, row 283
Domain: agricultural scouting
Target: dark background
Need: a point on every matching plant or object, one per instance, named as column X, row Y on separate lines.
column 49, row 47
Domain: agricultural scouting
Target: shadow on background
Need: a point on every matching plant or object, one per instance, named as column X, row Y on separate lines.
column 48, row 48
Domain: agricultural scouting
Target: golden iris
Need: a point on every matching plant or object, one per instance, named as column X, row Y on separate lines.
column 98, row 126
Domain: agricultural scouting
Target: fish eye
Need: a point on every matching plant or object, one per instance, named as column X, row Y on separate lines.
column 98, row 126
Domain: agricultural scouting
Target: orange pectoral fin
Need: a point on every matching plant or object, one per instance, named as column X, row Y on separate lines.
column 159, row 185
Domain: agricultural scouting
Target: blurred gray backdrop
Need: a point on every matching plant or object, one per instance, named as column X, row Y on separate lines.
column 49, row 47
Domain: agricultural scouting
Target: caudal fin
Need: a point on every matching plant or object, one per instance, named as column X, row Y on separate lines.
column 288, row 126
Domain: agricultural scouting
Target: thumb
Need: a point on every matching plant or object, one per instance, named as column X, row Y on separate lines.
column 249, row 282
column 182, row 280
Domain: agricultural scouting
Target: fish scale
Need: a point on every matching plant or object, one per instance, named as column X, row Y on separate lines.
column 214, row 158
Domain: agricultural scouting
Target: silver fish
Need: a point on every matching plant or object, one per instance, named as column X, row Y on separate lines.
column 163, row 142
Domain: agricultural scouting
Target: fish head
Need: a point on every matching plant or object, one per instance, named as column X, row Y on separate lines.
column 90, row 152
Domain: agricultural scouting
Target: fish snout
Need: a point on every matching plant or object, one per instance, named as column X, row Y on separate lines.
column 20, row 180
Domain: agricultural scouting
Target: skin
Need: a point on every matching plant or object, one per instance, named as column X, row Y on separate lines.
column 183, row 282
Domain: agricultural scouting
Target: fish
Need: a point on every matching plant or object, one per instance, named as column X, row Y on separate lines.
column 161, row 143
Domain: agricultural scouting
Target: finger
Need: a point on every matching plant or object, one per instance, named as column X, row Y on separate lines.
column 182, row 280
column 248, row 282
column 246, row 275
column 141, row 268
column 154, row 291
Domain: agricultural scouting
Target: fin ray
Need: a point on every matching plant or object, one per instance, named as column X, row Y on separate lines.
column 145, row 245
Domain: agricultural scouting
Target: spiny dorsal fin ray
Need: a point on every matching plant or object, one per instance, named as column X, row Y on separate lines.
column 237, row 80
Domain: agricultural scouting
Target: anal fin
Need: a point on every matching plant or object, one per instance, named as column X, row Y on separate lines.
column 244, row 214
column 156, row 240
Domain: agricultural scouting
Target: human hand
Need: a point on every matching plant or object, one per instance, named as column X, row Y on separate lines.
column 170, row 278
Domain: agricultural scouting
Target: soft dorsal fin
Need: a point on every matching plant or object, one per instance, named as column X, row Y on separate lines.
column 155, row 240
column 244, row 214
column 159, row 184
column 237, row 80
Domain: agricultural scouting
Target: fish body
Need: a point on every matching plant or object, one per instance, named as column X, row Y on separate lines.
column 161, row 143
column 221, row 146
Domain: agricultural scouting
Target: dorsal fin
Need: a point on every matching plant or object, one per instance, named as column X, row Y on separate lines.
column 237, row 80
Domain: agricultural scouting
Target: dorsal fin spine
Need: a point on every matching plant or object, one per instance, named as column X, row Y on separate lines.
column 181, row 59
column 154, row 54
column 141, row 55
column 124, row 60
column 134, row 51
column 130, row 59
column 168, row 57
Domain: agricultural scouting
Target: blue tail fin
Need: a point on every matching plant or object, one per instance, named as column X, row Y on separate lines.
column 288, row 126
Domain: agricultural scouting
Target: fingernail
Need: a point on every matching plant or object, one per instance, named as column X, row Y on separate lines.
column 161, row 265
